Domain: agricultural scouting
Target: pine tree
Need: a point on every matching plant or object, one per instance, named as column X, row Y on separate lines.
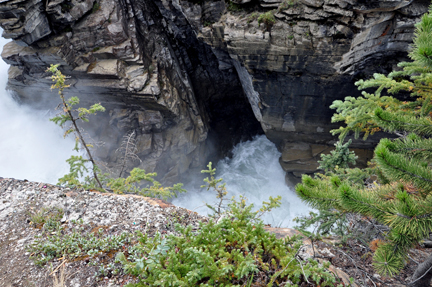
column 340, row 157
column 402, row 198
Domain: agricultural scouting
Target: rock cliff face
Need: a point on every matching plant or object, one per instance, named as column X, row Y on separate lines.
column 192, row 78
column 311, row 56
column 144, row 63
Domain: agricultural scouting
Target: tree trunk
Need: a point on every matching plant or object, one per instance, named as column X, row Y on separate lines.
column 423, row 274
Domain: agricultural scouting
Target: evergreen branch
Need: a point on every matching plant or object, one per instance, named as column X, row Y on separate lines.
column 60, row 84
column 404, row 216
column 399, row 167
column 85, row 146
column 407, row 172
column 397, row 122
column 309, row 198
column 413, row 146
column 346, row 192
column 318, row 193
column 415, row 217
column 424, row 215
column 402, row 198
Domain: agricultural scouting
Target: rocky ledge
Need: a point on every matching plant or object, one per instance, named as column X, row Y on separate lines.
column 111, row 215
column 107, row 214
column 115, row 214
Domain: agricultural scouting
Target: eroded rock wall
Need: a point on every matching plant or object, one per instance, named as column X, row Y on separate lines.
column 294, row 69
column 144, row 63
column 184, row 74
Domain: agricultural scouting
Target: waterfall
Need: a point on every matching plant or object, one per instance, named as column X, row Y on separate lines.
column 254, row 172
column 31, row 147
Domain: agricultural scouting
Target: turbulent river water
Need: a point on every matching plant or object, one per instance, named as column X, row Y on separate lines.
column 33, row 148
column 254, row 172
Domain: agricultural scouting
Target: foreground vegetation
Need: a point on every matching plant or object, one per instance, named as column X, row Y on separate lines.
column 232, row 249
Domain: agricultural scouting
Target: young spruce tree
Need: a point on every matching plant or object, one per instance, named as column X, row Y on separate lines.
column 95, row 180
column 402, row 199
column 73, row 115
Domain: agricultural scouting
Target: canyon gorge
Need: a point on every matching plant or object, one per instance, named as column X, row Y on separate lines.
column 193, row 78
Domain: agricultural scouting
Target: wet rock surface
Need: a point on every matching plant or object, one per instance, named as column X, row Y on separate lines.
column 143, row 63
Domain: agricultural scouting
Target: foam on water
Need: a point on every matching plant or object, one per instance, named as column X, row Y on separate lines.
column 253, row 171
column 31, row 147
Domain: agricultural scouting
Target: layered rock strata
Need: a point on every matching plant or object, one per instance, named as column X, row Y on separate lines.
column 143, row 62
column 179, row 73
column 295, row 68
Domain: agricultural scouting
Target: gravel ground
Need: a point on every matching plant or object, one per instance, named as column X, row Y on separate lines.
column 113, row 214
column 105, row 214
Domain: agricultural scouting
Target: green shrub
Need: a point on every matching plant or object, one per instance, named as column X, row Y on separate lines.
column 74, row 243
column 233, row 7
column 267, row 19
column 47, row 217
column 252, row 17
column 96, row 6
column 131, row 184
column 232, row 249
column 235, row 251
column 287, row 4
column 207, row 23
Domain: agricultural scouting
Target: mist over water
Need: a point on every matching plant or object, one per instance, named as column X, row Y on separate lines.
column 253, row 171
column 31, row 147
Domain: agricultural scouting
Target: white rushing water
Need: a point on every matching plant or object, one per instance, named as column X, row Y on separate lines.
column 254, row 172
column 31, row 147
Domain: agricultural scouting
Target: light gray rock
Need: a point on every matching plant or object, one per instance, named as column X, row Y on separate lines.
column 24, row 21
column 112, row 213
column 313, row 3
